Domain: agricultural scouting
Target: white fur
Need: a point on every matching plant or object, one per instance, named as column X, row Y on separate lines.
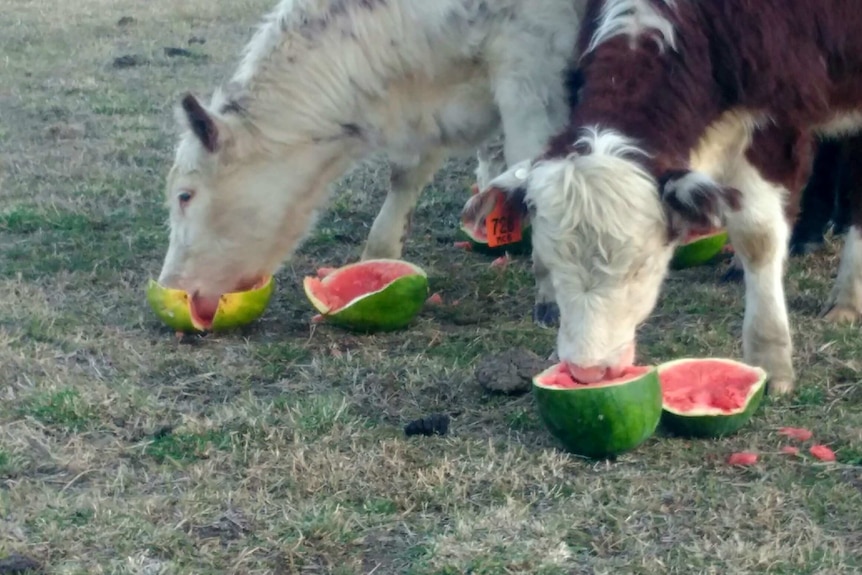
column 602, row 234
column 634, row 18
column 420, row 80
column 759, row 233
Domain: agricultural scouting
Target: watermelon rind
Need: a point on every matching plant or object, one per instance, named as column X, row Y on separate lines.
column 698, row 252
column 601, row 421
column 713, row 422
column 172, row 307
column 480, row 245
column 390, row 308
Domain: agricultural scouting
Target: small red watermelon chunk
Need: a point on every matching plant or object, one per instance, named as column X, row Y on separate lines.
column 822, row 453
column 742, row 458
column 797, row 433
column 435, row 299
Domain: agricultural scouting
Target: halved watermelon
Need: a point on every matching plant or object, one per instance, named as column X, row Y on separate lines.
column 599, row 419
column 174, row 307
column 372, row 295
column 709, row 397
column 698, row 249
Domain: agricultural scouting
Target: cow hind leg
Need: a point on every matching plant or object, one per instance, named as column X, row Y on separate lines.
column 392, row 224
column 845, row 301
column 759, row 233
column 818, row 201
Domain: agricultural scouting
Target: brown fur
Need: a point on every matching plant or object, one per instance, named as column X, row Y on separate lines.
column 798, row 62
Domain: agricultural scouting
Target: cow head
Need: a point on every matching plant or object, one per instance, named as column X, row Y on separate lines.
column 239, row 202
column 606, row 229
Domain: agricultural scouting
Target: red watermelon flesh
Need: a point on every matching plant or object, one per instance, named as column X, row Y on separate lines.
column 344, row 285
column 707, row 384
column 560, row 378
column 692, row 236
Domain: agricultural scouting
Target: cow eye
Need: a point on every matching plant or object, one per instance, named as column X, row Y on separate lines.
column 184, row 197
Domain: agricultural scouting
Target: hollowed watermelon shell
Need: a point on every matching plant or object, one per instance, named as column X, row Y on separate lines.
column 709, row 397
column 602, row 419
column 372, row 295
column 478, row 239
column 697, row 250
column 235, row 309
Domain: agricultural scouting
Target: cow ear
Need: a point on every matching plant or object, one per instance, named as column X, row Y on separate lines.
column 509, row 187
column 200, row 122
column 695, row 203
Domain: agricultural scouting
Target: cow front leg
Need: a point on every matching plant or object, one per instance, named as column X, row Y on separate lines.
column 392, row 224
column 759, row 233
column 490, row 161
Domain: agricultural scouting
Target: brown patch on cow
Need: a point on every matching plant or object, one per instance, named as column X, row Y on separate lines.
column 784, row 156
column 667, row 100
column 758, row 247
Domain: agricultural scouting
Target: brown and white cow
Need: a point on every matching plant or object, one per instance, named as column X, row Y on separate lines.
column 693, row 114
column 325, row 84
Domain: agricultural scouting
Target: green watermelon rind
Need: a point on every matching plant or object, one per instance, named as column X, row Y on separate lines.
column 522, row 247
column 603, row 420
column 235, row 309
column 390, row 308
column 715, row 423
column 699, row 252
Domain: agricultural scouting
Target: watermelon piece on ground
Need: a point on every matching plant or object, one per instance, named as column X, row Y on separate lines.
column 371, row 295
column 797, row 433
column 822, row 453
column 742, row 458
column 599, row 419
column 710, row 397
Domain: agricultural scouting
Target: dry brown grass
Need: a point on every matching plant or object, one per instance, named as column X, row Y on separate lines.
column 279, row 449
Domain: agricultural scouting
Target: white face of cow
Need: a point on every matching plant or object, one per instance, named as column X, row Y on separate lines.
column 602, row 230
column 236, row 210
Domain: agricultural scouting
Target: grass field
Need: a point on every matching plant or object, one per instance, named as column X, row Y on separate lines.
column 280, row 449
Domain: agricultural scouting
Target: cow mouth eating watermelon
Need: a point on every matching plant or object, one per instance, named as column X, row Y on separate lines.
column 599, row 419
column 371, row 295
column 709, row 397
column 188, row 313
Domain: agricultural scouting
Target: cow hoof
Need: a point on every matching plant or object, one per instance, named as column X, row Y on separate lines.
column 546, row 314
column 733, row 275
column 779, row 387
column 841, row 314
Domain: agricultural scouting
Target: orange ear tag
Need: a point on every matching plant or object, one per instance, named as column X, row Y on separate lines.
column 503, row 224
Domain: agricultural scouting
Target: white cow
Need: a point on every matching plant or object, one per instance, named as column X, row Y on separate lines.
column 324, row 84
